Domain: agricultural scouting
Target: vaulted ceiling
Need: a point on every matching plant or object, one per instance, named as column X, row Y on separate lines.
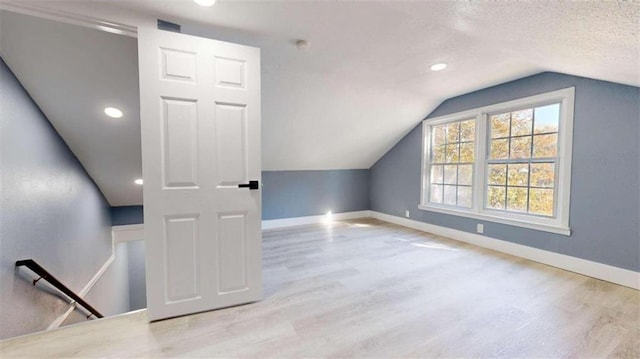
column 365, row 80
column 73, row 73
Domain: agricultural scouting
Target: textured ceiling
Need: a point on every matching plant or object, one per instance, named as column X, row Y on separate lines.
column 364, row 82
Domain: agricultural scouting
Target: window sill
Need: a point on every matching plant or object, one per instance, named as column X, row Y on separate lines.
column 565, row 231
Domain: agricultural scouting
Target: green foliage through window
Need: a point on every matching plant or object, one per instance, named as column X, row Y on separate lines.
column 521, row 167
column 508, row 162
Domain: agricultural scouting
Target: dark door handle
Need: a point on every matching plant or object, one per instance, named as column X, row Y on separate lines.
column 250, row 185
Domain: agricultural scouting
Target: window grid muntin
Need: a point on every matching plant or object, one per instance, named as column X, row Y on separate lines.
column 507, row 161
column 506, row 187
column 564, row 101
column 458, row 163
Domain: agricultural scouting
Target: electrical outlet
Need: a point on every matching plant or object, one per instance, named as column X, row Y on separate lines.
column 480, row 228
column 406, row 213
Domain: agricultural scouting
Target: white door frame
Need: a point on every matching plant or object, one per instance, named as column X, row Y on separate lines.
column 71, row 18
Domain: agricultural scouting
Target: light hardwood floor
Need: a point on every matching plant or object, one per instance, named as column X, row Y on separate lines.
column 365, row 288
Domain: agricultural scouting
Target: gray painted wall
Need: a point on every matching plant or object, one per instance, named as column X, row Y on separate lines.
column 605, row 186
column 50, row 210
column 137, row 282
column 288, row 194
column 122, row 215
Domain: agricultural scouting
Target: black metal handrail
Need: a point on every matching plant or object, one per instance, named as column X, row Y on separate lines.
column 36, row 268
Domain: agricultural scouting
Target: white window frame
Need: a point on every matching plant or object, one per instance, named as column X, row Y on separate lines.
column 560, row 222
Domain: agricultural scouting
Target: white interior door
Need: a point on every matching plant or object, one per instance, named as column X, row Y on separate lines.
column 200, row 118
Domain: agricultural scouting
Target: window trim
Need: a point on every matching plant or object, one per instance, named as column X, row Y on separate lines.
column 558, row 224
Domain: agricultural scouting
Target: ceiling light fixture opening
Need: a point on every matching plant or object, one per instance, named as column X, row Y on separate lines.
column 113, row 112
column 138, row 181
column 302, row 44
column 438, row 66
column 205, row 2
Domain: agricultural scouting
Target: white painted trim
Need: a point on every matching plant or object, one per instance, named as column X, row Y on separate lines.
column 425, row 172
column 300, row 221
column 69, row 18
column 625, row 277
column 558, row 224
column 126, row 233
column 506, row 106
column 497, row 219
column 480, row 169
column 565, row 156
column 83, row 292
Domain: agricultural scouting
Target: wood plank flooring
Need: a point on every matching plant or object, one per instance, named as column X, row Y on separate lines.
column 365, row 288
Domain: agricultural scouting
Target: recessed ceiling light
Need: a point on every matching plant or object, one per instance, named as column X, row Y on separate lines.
column 113, row 112
column 205, row 2
column 438, row 67
column 302, row 44
column 138, row 181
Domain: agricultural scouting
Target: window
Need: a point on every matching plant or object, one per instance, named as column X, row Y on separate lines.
column 508, row 163
column 451, row 163
column 522, row 159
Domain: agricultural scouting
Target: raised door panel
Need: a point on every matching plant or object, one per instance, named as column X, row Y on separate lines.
column 181, row 243
column 180, row 142
column 232, row 252
column 230, row 73
column 231, row 143
column 178, row 65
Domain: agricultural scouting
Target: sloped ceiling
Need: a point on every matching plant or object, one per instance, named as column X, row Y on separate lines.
column 73, row 73
column 364, row 82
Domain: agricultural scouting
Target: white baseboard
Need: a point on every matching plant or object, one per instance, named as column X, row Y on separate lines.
column 625, row 277
column 300, row 221
column 132, row 232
